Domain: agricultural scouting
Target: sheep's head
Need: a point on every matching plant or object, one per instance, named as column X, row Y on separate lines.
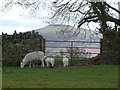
column 21, row 65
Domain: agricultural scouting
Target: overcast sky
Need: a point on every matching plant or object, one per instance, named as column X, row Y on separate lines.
column 21, row 20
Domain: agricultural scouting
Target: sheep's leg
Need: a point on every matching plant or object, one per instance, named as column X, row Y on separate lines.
column 64, row 65
column 52, row 64
column 47, row 64
column 67, row 64
column 29, row 65
column 43, row 64
column 33, row 65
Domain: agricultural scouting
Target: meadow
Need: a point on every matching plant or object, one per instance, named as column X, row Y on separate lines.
column 97, row 76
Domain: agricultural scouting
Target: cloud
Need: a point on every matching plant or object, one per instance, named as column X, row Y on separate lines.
column 19, row 20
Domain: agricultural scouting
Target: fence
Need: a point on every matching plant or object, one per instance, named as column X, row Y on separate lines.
column 71, row 46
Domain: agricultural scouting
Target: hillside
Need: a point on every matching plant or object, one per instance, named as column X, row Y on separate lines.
column 67, row 33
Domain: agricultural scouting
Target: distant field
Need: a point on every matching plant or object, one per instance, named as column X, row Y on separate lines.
column 99, row 76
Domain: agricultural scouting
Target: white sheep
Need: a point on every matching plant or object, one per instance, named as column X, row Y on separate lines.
column 33, row 57
column 49, row 61
column 65, row 61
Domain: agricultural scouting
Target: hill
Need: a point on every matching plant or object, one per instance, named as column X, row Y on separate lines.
column 68, row 33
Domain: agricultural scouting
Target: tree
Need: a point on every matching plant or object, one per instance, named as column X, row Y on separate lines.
column 15, row 35
column 85, row 12
column 74, row 12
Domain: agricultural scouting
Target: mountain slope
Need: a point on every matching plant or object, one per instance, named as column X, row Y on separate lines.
column 65, row 32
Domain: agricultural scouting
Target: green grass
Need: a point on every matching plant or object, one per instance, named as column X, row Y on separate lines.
column 100, row 76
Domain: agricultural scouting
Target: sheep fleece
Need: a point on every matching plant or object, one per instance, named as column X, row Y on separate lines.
column 33, row 56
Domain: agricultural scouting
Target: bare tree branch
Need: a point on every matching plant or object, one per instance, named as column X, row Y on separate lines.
column 112, row 8
column 74, row 12
column 87, row 19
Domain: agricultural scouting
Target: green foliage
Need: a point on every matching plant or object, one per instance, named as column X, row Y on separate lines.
column 16, row 46
column 11, row 63
column 111, row 47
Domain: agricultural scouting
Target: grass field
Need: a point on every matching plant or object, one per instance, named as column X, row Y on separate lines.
column 99, row 76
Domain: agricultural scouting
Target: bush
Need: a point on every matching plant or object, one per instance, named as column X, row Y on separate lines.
column 11, row 63
column 111, row 47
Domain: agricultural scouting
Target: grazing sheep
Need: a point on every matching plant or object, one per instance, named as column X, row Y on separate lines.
column 49, row 61
column 65, row 61
column 33, row 57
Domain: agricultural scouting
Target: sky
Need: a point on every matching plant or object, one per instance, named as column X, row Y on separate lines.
column 22, row 20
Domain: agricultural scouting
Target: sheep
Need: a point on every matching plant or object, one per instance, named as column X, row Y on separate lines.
column 49, row 61
column 65, row 61
column 33, row 57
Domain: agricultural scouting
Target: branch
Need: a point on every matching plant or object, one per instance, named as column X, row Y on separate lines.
column 112, row 19
column 88, row 19
column 112, row 7
column 7, row 6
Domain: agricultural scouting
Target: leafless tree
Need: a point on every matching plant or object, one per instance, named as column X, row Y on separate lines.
column 78, row 13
